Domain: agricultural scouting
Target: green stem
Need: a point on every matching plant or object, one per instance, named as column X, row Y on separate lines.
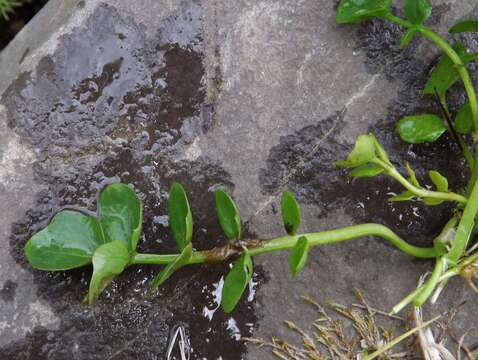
column 465, row 227
column 259, row 247
column 454, row 57
column 422, row 193
column 432, row 282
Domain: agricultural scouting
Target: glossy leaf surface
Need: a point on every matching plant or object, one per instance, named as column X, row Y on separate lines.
column 68, row 242
column 178, row 263
column 363, row 151
column 418, row 11
column 290, row 212
column 417, row 129
column 465, row 26
column 121, row 214
column 298, row 255
column 353, row 11
column 109, row 260
column 228, row 215
column 464, row 119
column 180, row 216
column 236, row 282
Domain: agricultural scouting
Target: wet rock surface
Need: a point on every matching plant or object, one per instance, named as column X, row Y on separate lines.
column 254, row 97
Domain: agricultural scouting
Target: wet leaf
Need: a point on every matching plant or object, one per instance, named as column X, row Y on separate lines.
column 408, row 37
column 68, row 242
column 439, row 180
column 178, row 263
column 298, row 255
column 109, row 260
column 418, row 11
column 417, row 129
column 404, row 196
column 465, row 26
column 236, row 282
column 412, row 178
column 121, row 214
column 464, row 119
column 366, row 170
column 353, row 11
column 180, row 216
column 290, row 212
column 228, row 215
column 362, row 153
column 444, row 74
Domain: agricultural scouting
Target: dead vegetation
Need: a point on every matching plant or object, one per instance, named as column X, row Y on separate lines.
column 332, row 337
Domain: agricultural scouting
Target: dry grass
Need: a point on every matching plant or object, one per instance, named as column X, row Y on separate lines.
column 329, row 339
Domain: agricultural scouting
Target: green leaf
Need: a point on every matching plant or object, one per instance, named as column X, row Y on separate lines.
column 465, row 26
column 408, row 37
column 380, row 151
column 68, row 242
column 439, row 180
column 178, row 263
column 228, row 215
column 353, row 11
column 109, row 260
column 444, row 75
column 180, row 216
column 404, row 196
column 121, row 214
column 418, row 11
column 290, row 212
column 366, row 170
column 363, row 151
column 432, row 201
column 298, row 255
column 236, row 282
column 468, row 57
column 411, row 175
column 417, row 129
column 464, row 119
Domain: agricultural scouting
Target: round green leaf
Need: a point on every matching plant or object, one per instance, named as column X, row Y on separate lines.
column 364, row 150
column 465, row 26
column 236, row 282
column 228, row 215
column 421, row 128
column 298, row 255
column 353, row 11
column 109, row 260
column 68, row 242
column 418, row 11
column 464, row 119
column 121, row 214
column 178, row 263
column 290, row 212
column 180, row 216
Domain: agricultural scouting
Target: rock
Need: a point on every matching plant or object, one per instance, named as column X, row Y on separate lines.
column 255, row 97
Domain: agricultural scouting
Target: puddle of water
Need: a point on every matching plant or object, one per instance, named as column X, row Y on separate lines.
column 112, row 105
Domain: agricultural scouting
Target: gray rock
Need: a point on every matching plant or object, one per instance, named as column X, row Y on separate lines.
column 252, row 96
